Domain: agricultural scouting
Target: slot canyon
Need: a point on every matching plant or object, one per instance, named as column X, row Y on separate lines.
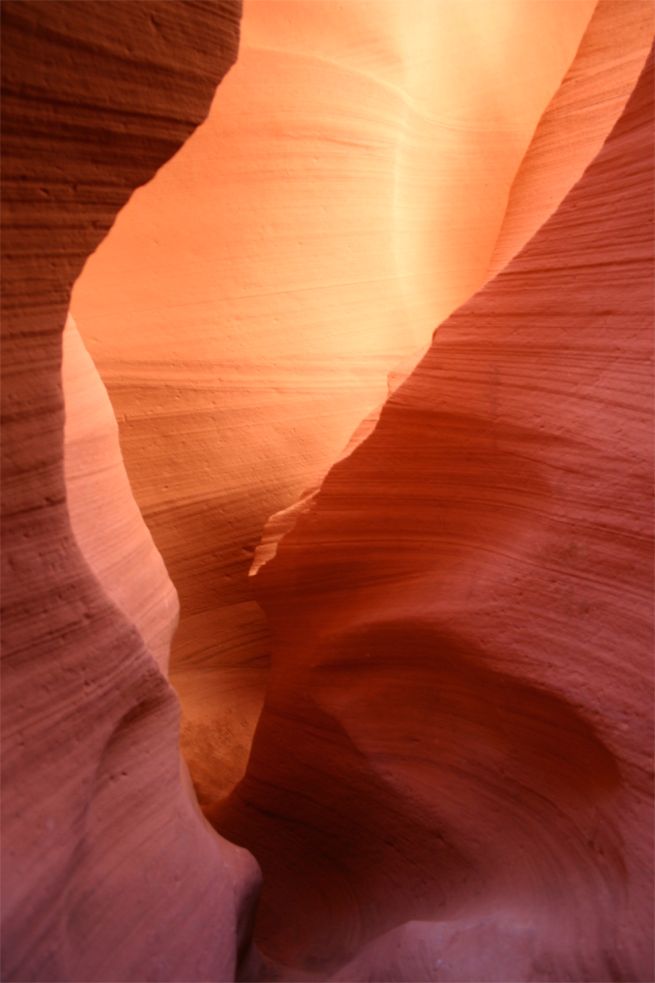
column 327, row 466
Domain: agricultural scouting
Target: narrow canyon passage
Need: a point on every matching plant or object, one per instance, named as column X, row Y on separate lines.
column 432, row 748
column 345, row 194
column 326, row 378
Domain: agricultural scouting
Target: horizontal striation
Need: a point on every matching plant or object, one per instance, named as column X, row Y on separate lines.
column 456, row 734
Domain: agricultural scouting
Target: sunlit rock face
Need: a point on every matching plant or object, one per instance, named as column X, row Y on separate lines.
column 577, row 121
column 449, row 779
column 347, row 192
column 345, row 195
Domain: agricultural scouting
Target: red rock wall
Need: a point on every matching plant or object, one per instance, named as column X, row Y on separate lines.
column 345, row 194
column 453, row 764
column 450, row 779
column 109, row 871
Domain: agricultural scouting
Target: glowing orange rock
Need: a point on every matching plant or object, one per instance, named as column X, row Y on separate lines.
column 343, row 197
column 577, row 121
column 449, row 780
column 452, row 768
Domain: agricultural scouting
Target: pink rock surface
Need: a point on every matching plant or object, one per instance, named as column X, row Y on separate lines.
column 344, row 196
column 116, row 544
column 109, row 871
column 453, row 764
column 451, row 776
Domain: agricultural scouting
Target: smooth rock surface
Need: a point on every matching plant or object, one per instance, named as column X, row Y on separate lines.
column 452, row 775
column 344, row 196
column 451, row 778
column 578, row 119
column 109, row 871
column 115, row 542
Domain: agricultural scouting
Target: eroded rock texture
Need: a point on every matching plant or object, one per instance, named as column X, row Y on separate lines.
column 109, row 871
column 578, row 119
column 346, row 193
column 450, row 779
column 453, row 764
column 117, row 545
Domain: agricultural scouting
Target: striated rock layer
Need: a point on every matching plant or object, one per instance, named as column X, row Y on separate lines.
column 346, row 193
column 450, row 779
column 116, row 543
column 578, row 119
column 571, row 131
column 109, row 872
column 452, row 769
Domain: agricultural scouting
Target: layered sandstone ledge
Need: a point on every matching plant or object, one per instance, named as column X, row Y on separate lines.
column 450, row 776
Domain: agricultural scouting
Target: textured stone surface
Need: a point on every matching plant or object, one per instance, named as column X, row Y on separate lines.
column 451, row 779
column 453, row 764
column 109, row 871
column 343, row 197
column 570, row 132
column 115, row 541
column 577, row 121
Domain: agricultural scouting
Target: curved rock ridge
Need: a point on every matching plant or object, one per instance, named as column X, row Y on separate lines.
column 569, row 134
column 344, row 195
column 451, row 778
column 576, row 123
column 117, row 546
column 109, row 871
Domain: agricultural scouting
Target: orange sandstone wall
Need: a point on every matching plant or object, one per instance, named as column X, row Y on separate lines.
column 452, row 775
column 578, row 119
column 450, row 778
column 344, row 196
